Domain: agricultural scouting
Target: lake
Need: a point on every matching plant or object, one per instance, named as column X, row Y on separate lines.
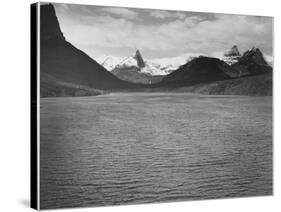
column 129, row 148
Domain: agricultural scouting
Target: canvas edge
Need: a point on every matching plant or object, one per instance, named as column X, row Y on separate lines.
column 34, row 106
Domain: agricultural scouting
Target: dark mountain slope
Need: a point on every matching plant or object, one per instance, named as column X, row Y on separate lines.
column 49, row 25
column 259, row 85
column 62, row 61
column 52, row 87
column 134, row 75
column 198, row 70
column 252, row 62
column 253, row 56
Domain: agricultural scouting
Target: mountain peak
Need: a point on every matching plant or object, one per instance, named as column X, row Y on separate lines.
column 233, row 52
column 255, row 49
column 254, row 55
column 133, row 60
column 49, row 24
column 162, row 66
column 139, row 59
column 232, row 55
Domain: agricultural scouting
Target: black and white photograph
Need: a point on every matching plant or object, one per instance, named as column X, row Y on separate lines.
column 148, row 106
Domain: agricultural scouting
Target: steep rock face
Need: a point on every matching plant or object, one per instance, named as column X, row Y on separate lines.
column 134, row 60
column 64, row 62
column 139, row 59
column 49, row 25
column 198, row 70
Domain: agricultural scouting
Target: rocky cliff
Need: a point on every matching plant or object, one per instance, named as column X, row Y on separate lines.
column 64, row 62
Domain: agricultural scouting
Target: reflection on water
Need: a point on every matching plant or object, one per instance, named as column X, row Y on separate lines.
column 154, row 147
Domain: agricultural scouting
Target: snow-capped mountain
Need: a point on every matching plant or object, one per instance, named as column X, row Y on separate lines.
column 231, row 56
column 161, row 66
column 153, row 67
column 109, row 62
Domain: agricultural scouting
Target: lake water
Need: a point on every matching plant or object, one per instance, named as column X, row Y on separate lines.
column 153, row 147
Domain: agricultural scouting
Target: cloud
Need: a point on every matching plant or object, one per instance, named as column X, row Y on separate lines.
column 162, row 14
column 178, row 60
column 113, row 32
column 195, row 32
column 122, row 12
column 269, row 59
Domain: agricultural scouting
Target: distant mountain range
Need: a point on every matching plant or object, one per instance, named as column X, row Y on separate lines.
column 206, row 69
column 150, row 71
column 134, row 68
column 252, row 62
column 149, row 67
column 68, row 71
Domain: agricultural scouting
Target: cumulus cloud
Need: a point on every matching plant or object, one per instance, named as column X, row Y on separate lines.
column 191, row 33
column 269, row 59
column 119, row 11
column 162, row 14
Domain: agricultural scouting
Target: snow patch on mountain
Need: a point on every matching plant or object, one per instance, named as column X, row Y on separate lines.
column 231, row 56
column 159, row 66
column 164, row 66
column 109, row 62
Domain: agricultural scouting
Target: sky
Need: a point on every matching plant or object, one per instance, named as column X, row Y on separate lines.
column 118, row 31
